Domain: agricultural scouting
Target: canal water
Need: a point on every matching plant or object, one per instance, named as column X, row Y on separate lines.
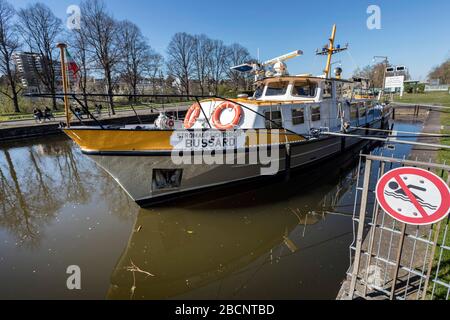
column 280, row 240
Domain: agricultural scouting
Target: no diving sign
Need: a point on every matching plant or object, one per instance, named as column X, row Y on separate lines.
column 413, row 196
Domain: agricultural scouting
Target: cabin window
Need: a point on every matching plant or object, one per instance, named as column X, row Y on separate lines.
column 343, row 90
column 340, row 110
column 273, row 119
column 298, row 116
column 258, row 92
column 315, row 113
column 370, row 110
column 362, row 110
column 277, row 88
column 327, row 90
column 304, row 89
column 354, row 111
column 339, row 89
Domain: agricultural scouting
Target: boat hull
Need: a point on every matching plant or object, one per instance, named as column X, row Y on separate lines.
column 138, row 173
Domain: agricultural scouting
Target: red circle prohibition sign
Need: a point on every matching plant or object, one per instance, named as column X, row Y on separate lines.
column 438, row 213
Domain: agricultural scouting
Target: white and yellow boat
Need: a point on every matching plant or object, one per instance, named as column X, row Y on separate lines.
column 280, row 126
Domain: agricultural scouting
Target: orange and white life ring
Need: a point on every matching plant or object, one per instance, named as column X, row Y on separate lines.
column 192, row 115
column 218, row 112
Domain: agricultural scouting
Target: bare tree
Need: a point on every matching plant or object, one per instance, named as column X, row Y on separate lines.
column 153, row 69
column 181, row 51
column 217, row 63
column 9, row 43
column 40, row 28
column 375, row 74
column 136, row 55
column 101, row 31
column 441, row 72
column 202, row 59
column 236, row 55
column 83, row 55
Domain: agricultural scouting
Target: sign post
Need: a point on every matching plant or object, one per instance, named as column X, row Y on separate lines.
column 395, row 82
column 413, row 196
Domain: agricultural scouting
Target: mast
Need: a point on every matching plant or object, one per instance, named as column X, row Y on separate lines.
column 62, row 47
column 329, row 51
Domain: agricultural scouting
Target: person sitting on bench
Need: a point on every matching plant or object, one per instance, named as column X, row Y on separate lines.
column 78, row 113
column 48, row 115
column 37, row 114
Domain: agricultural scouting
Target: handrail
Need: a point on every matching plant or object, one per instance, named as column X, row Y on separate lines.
column 194, row 97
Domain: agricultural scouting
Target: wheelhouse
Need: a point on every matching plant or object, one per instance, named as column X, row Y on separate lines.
column 297, row 103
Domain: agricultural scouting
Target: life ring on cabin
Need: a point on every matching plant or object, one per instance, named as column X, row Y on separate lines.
column 192, row 115
column 218, row 112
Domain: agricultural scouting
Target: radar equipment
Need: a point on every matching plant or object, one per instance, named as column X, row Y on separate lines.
column 277, row 64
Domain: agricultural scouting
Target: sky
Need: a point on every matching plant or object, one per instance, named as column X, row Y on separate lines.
column 413, row 33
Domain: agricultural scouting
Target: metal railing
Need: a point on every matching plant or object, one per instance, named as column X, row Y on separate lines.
column 390, row 259
column 93, row 97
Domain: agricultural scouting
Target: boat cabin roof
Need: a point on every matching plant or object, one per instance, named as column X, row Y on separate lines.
column 302, row 88
column 298, row 78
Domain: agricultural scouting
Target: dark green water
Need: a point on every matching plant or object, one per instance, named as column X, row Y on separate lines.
column 272, row 241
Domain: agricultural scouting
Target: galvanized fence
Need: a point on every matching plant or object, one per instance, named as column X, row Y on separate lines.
column 390, row 259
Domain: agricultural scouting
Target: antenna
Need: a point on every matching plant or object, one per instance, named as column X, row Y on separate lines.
column 329, row 50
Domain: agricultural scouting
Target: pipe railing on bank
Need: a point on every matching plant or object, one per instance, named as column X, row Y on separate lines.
column 387, row 140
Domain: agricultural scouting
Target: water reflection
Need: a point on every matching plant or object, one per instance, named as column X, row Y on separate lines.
column 261, row 241
column 184, row 252
column 38, row 179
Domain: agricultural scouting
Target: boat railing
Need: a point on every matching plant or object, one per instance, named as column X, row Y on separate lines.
column 167, row 103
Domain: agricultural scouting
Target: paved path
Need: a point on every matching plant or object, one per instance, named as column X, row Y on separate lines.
column 432, row 125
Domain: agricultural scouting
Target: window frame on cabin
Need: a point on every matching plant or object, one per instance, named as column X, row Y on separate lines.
column 283, row 85
column 311, row 84
column 314, row 114
column 295, row 118
column 268, row 115
column 327, row 86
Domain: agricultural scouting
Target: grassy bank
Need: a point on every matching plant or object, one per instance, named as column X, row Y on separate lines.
column 437, row 98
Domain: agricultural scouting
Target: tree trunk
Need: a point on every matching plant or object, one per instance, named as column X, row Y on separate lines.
column 10, row 78
column 110, row 91
column 15, row 101
column 12, row 82
column 135, row 93
column 53, row 92
column 187, row 86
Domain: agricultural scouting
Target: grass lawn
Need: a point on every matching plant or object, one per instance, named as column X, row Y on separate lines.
column 438, row 98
